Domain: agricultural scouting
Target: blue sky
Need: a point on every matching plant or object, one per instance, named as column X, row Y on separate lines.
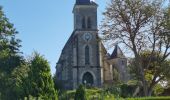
column 43, row 25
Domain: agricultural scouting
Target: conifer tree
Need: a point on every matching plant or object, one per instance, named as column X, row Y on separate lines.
column 40, row 80
column 10, row 60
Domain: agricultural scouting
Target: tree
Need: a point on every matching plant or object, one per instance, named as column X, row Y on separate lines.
column 9, row 45
column 80, row 93
column 17, row 82
column 154, row 71
column 11, row 60
column 19, row 78
column 138, row 25
column 40, row 80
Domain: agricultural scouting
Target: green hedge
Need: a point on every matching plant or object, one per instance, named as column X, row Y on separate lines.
column 150, row 98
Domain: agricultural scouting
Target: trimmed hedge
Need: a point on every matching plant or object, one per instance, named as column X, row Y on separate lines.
column 150, row 98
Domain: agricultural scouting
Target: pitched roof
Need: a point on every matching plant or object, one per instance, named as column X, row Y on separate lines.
column 117, row 53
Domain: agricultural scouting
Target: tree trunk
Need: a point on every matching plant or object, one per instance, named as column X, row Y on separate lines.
column 142, row 75
column 145, row 86
column 150, row 92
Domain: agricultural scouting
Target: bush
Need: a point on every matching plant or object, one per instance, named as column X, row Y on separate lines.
column 114, row 90
column 32, row 98
column 127, row 90
column 80, row 93
column 91, row 94
column 150, row 98
column 158, row 90
column 122, row 90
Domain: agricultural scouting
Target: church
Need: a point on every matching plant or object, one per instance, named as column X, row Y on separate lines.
column 84, row 59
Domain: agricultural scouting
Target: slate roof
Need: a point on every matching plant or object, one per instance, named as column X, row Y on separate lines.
column 85, row 2
column 82, row 1
column 117, row 53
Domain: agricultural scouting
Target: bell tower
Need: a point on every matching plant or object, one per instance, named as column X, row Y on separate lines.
column 87, row 68
column 85, row 15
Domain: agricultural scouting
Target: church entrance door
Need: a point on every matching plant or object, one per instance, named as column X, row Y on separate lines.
column 87, row 79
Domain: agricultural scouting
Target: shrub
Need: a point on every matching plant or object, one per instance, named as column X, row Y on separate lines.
column 150, row 98
column 32, row 98
column 114, row 90
column 80, row 93
column 127, row 90
column 158, row 90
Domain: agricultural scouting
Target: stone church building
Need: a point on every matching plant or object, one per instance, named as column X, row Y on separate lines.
column 84, row 59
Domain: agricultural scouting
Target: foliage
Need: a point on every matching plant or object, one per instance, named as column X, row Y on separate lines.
column 40, row 79
column 127, row 90
column 11, row 61
column 123, row 90
column 33, row 98
column 14, row 83
column 17, row 81
column 150, row 98
column 166, row 92
column 99, row 94
column 155, row 71
column 91, row 94
column 80, row 93
column 168, row 82
column 9, row 45
column 116, row 90
column 19, row 78
column 158, row 89
column 140, row 25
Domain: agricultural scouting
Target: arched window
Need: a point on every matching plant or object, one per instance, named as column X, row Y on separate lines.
column 89, row 22
column 87, row 55
column 83, row 23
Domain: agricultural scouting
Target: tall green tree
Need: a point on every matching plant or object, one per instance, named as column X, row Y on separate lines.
column 9, row 45
column 40, row 80
column 138, row 25
column 11, row 60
